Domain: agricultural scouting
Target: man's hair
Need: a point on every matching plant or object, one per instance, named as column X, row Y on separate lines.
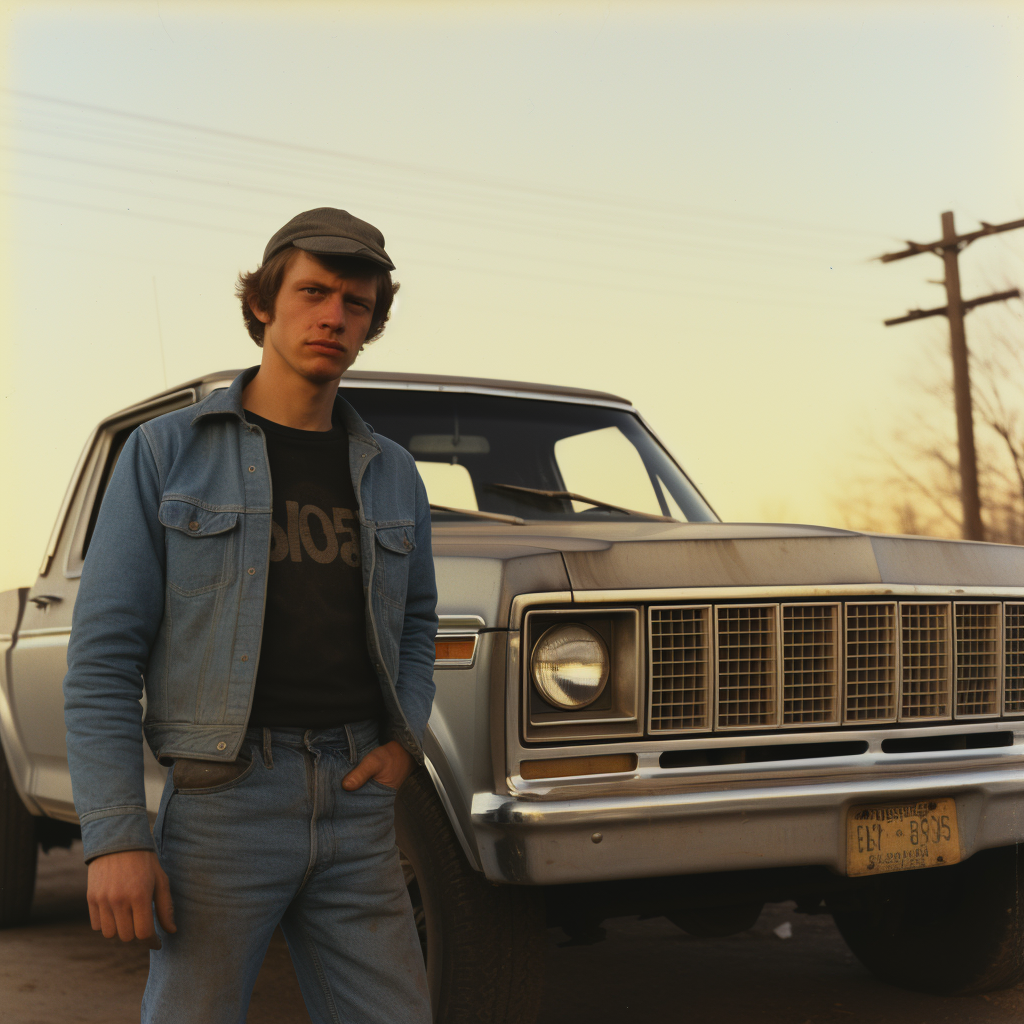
column 259, row 288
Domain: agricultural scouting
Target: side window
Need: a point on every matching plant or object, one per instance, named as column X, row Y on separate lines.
column 114, row 453
column 77, row 521
column 448, row 484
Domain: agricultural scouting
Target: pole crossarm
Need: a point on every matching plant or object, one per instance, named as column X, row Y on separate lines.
column 969, row 304
column 916, row 248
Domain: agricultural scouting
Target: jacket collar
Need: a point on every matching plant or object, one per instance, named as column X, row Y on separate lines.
column 229, row 402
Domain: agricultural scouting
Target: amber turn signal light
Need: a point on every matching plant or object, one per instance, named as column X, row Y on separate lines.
column 560, row 767
column 453, row 650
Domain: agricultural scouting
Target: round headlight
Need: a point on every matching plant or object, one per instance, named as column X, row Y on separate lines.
column 570, row 666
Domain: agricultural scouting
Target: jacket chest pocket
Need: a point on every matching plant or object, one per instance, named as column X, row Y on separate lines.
column 201, row 553
column 394, row 544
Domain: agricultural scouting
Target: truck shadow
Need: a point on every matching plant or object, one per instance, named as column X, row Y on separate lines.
column 645, row 969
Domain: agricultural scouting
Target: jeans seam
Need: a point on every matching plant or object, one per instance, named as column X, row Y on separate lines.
column 321, row 975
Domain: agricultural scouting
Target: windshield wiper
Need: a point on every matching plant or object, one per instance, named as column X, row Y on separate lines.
column 573, row 496
column 515, row 520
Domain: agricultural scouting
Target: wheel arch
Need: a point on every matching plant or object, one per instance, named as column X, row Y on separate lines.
column 12, row 607
column 442, row 776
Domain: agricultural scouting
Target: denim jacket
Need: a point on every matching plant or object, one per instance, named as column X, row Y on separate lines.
column 172, row 595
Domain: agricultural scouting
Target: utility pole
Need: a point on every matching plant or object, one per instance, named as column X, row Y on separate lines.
column 949, row 248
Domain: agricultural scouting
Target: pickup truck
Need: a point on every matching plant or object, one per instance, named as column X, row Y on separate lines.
column 640, row 709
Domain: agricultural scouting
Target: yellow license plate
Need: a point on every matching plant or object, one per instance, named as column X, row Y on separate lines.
column 901, row 837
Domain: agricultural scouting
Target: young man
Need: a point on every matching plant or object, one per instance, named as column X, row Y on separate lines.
column 262, row 561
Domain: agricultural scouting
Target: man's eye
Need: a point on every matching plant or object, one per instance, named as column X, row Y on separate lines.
column 311, row 290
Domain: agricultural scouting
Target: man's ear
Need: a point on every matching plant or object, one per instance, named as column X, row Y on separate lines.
column 260, row 314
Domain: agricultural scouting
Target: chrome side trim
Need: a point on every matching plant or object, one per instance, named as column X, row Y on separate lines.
column 460, row 624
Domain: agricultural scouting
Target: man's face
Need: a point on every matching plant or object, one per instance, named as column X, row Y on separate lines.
column 320, row 320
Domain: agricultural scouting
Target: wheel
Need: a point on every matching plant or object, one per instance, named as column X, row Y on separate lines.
column 483, row 943
column 952, row 931
column 17, row 852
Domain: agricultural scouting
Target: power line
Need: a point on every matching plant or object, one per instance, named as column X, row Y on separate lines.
column 478, row 181
column 664, row 244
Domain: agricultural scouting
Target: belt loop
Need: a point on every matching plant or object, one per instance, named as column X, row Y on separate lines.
column 353, row 750
column 268, row 756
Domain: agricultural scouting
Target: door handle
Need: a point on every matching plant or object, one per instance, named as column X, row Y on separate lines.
column 45, row 600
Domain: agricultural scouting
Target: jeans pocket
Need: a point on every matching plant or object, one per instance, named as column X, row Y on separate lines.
column 192, row 776
column 381, row 787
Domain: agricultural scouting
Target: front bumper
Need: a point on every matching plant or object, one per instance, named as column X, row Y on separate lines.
column 531, row 842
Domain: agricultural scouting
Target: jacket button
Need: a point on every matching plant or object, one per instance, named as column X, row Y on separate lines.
column 245, row 657
column 406, row 544
column 252, row 469
column 193, row 525
column 222, row 745
column 252, row 572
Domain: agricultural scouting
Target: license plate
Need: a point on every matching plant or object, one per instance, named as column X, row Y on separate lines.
column 901, row 837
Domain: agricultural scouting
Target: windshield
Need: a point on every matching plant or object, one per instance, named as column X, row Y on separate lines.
column 498, row 455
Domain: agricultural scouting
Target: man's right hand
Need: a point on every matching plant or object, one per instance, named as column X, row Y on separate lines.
column 123, row 887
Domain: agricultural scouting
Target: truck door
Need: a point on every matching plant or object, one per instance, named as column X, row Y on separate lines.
column 39, row 658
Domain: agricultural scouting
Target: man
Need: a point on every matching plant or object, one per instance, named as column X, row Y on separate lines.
column 262, row 561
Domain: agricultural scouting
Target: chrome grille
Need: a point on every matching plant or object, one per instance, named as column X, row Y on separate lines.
column 814, row 664
column 680, row 669
column 871, row 662
column 747, row 666
column 926, row 660
column 1013, row 659
column 810, row 664
column 977, row 660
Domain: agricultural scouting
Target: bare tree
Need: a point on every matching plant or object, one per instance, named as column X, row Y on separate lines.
column 912, row 483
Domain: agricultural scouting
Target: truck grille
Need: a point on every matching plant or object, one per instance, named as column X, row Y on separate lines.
column 800, row 665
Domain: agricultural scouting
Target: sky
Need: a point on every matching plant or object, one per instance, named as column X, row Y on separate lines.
column 676, row 202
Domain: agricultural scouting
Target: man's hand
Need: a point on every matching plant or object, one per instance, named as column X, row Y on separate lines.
column 389, row 765
column 122, row 890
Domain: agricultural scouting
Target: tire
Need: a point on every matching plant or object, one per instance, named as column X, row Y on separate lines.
column 950, row 931
column 18, row 853
column 483, row 943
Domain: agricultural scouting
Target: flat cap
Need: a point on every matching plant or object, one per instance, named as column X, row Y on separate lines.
column 331, row 232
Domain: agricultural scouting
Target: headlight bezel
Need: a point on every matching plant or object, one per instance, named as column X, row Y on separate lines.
column 615, row 712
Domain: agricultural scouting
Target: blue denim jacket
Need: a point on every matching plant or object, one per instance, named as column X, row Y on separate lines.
column 172, row 592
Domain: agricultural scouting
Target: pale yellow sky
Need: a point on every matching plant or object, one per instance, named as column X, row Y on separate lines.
column 675, row 202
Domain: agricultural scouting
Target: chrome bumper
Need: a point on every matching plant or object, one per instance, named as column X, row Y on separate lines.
column 543, row 842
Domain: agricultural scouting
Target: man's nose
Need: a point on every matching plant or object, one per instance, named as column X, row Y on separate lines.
column 332, row 314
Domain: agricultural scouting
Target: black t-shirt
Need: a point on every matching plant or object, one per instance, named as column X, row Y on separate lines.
column 314, row 669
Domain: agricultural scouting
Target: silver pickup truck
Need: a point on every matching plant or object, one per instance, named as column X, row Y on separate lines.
column 640, row 709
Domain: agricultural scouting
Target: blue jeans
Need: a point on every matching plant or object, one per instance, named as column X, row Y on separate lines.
column 283, row 843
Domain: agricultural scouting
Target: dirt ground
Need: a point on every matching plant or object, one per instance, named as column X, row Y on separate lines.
column 57, row 970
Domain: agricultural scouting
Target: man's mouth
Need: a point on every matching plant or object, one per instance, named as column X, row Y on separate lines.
column 324, row 345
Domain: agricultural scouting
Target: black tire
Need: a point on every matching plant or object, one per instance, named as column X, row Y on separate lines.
column 18, row 853
column 950, row 931
column 483, row 943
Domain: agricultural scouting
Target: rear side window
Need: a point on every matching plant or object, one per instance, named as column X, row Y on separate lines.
column 116, row 447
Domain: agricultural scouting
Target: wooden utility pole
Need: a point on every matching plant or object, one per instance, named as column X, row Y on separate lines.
column 949, row 249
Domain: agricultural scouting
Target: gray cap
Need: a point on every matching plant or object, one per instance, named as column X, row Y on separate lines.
column 331, row 232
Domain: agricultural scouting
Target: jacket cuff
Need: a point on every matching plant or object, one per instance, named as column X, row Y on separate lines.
column 116, row 832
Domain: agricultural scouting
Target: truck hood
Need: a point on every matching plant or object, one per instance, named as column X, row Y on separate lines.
column 486, row 565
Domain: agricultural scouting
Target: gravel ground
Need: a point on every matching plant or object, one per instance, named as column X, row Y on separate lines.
column 57, row 969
